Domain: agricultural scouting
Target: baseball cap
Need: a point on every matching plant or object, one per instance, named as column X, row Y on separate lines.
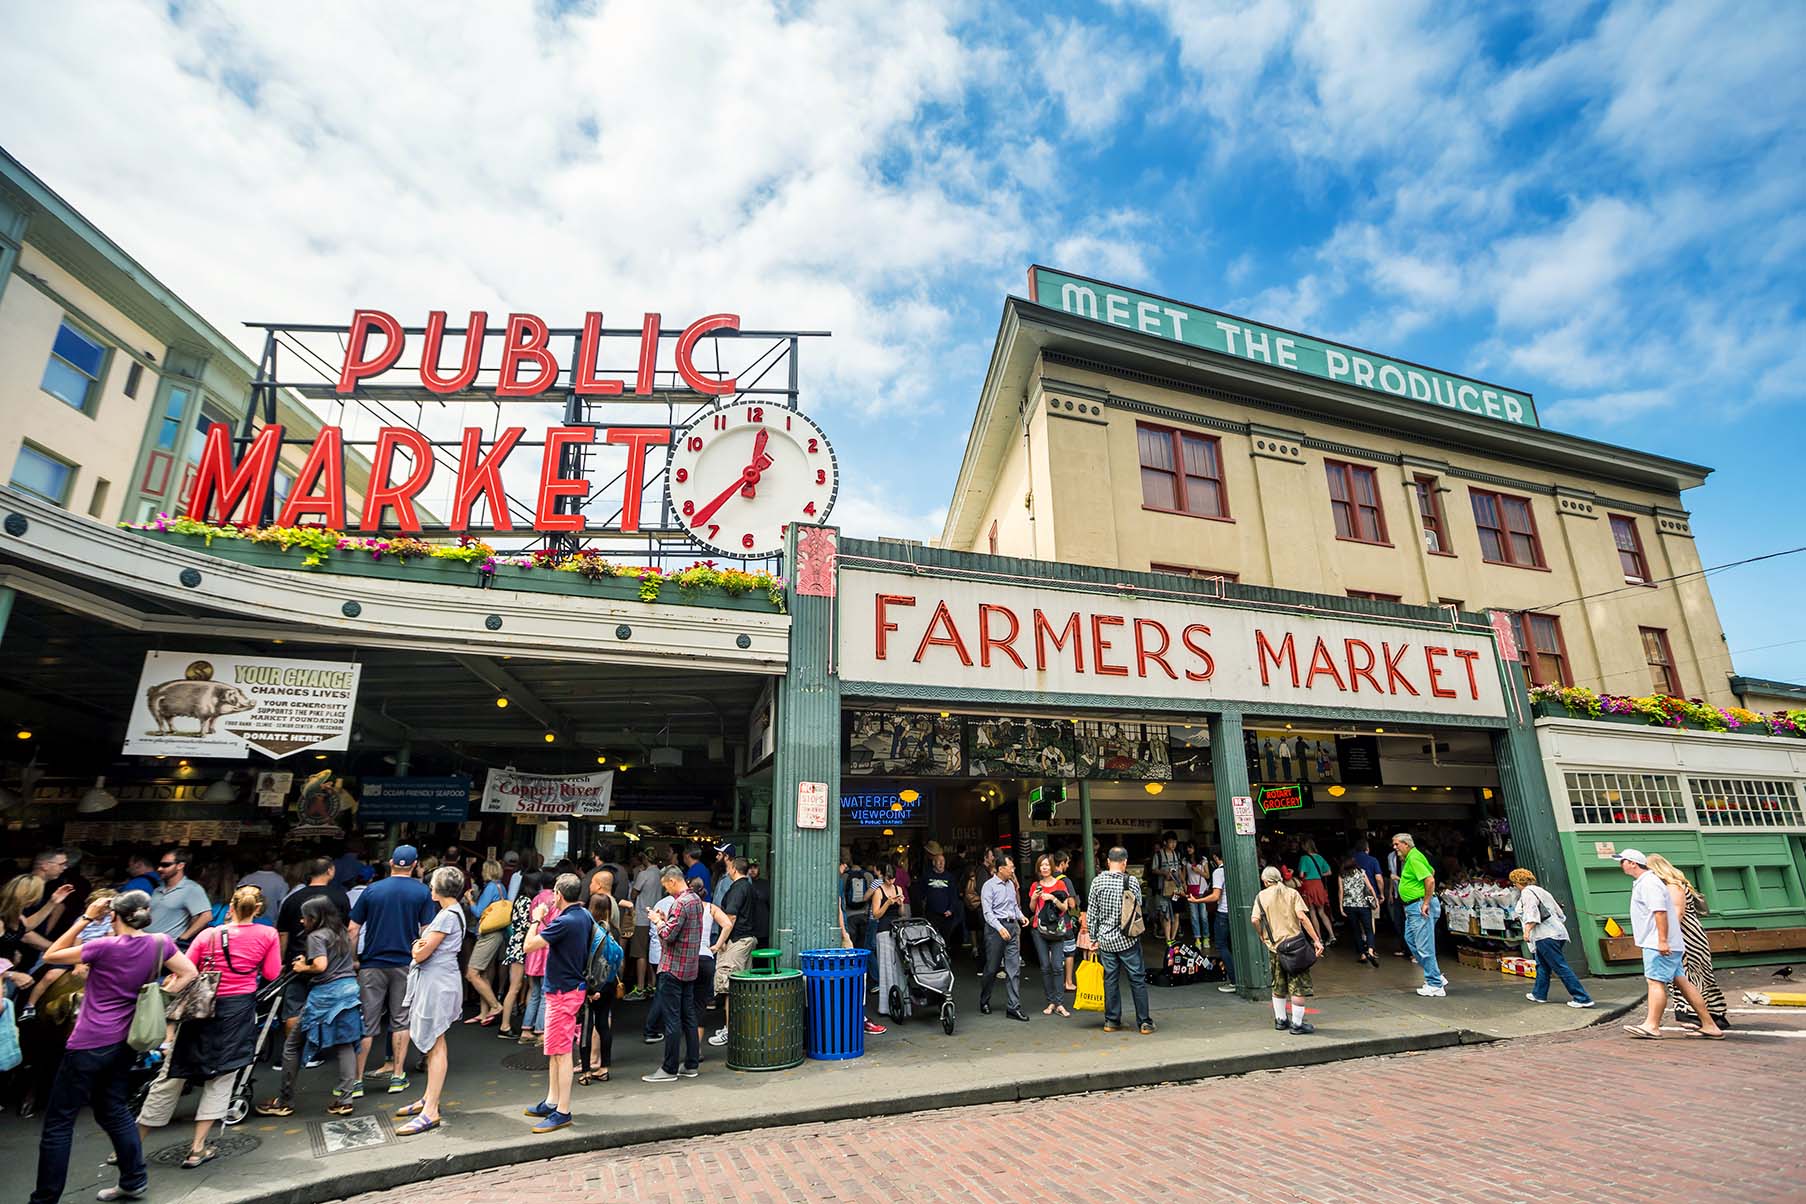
column 1632, row 855
column 726, row 850
column 404, row 854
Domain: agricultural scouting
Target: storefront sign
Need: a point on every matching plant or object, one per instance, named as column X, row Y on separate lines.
column 582, row 795
column 1242, row 806
column 217, row 704
column 1279, row 798
column 272, row 789
column 419, row 800
column 1605, row 850
column 1506, row 633
column 812, row 805
column 1245, row 340
column 1358, row 759
column 968, row 635
column 883, row 810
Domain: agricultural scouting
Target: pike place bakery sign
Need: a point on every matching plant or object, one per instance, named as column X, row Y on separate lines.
column 972, row 635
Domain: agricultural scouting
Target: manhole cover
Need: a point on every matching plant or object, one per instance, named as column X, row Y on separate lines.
column 339, row 1134
column 525, row 1060
column 229, row 1144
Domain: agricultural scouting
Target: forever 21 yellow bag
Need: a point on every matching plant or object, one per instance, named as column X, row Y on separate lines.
column 1090, row 977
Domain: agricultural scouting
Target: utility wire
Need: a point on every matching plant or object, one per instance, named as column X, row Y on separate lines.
column 1677, row 577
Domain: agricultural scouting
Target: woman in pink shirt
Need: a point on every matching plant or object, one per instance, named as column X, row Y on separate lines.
column 533, row 1023
column 215, row 1049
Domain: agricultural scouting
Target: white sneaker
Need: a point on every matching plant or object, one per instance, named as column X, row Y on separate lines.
column 1534, row 999
column 1227, row 989
column 1429, row 992
column 719, row 1037
column 658, row 1076
column 1575, row 1003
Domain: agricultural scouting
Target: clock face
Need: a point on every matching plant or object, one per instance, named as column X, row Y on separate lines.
column 740, row 475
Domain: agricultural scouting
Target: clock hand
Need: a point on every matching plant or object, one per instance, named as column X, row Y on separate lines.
column 747, row 478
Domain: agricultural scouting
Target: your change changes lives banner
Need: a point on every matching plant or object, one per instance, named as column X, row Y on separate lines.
column 215, row 704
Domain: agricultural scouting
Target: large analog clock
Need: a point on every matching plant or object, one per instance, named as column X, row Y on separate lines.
column 740, row 475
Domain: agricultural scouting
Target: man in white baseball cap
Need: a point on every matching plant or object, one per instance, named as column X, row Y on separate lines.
column 1655, row 922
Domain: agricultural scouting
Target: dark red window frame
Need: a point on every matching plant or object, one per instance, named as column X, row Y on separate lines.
column 1429, row 509
column 1505, row 532
column 1371, row 596
column 1178, row 474
column 1663, row 674
column 1632, row 558
column 1536, row 646
column 1358, row 520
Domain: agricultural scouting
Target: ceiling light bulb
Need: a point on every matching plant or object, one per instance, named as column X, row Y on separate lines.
column 24, row 733
column 502, row 703
column 551, row 736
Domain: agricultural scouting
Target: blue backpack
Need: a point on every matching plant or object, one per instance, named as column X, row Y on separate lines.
column 604, row 966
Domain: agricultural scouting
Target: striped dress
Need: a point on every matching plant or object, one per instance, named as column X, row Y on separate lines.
column 1697, row 957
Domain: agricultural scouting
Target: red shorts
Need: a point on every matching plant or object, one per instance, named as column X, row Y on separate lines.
column 561, row 1021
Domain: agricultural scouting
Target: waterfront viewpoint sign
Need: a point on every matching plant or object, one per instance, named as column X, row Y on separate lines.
column 1229, row 335
column 954, row 634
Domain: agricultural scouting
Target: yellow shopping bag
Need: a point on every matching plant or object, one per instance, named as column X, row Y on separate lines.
column 1090, row 977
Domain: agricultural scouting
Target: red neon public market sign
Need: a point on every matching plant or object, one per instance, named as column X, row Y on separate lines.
column 528, row 368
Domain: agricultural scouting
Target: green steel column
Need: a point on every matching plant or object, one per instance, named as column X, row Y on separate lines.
column 6, row 608
column 1241, row 857
column 805, row 862
column 1087, row 843
column 1528, row 807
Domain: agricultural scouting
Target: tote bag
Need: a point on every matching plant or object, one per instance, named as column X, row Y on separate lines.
column 150, row 1021
column 1090, row 977
column 9, row 1038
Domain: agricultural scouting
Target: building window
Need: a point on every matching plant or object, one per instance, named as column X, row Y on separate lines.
column 1661, row 661
column 1507, row 529
column 1540, row 644
column 1457, row 603
column 1186, row 570
column 1354, row 498
column 169, row 430
column 73, row 373
column 1741, row 803
column 1429, row 509
column 993, row 537
column 1630, row 550
column 1625, row 798
column 134, row 377
column 1181, row 472
column 38, row 472
column 1370, row 596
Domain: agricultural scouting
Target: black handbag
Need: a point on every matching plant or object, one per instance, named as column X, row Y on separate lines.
column 1296, row 954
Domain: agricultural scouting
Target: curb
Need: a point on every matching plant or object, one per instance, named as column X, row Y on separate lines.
column 406, row 1172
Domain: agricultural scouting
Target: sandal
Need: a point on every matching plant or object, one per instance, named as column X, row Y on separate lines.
column 413, row 1109
column 274, row 1107
column 342, row 1107
column 417, row 1126
column 199, row 1158
column 590, row 1078
column 1060, row 1009
column 1703, row 1035
column 1642, row 1032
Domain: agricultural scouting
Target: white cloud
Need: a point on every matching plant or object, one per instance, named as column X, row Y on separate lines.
column 1093, row 75
column 1610, row 409
column 872, row 512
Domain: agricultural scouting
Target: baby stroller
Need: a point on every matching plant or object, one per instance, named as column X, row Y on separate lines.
column 149, row 1065
column 927, row 972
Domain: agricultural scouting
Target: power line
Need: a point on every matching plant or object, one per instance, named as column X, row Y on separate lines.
column 1677, row 577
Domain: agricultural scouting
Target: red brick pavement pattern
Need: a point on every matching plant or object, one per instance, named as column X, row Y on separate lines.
column 1565, row 1118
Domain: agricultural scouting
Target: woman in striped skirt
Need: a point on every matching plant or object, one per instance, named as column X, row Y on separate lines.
column 1696, row 948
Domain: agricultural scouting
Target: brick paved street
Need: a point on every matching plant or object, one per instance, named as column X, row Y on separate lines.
column 1538, row 1119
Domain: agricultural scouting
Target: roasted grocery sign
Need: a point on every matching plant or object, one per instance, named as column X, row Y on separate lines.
column 216, row 704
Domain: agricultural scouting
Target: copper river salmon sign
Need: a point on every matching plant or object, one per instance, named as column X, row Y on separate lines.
column 1227, row 334
column 208, row 704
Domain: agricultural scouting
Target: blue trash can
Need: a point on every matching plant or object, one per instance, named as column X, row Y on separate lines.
column 835, row 979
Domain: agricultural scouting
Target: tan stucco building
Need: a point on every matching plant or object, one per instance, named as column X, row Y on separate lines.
column 108, row 379
column 1106, row 440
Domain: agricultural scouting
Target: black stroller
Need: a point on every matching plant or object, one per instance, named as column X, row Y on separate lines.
column 149, row 1066
column 927, row 972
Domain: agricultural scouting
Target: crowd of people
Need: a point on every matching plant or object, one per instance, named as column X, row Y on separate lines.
column 354, row 958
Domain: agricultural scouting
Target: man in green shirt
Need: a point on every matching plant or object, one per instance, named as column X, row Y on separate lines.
column 1417, row 891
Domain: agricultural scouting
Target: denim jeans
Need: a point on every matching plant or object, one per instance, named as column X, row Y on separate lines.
column 676, row 1006
column 1117, row 962
column 96, row 1077
column 1550, row 959
column 1362, row 919
column 535, row 1019
column 1219, row 936
column 1420, row 937
column 1053, row 968
column 1200, row 919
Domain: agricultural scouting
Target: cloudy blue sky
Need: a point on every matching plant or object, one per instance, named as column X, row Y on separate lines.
column 1602, row 204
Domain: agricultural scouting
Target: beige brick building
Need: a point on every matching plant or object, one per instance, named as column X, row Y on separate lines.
column 1106, row 440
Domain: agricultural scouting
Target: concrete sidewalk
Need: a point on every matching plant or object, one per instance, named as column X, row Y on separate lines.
column 309, row 1158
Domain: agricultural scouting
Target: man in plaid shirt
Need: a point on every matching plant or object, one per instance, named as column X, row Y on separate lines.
column 1117, row 949
column 680, row 937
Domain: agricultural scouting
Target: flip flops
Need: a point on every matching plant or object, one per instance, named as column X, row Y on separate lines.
column 1642, row 1032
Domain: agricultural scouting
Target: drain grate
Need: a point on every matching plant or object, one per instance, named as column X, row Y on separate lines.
column 343, row 1133
column 230, row 1145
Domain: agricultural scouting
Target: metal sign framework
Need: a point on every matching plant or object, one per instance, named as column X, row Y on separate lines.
column 304, row 360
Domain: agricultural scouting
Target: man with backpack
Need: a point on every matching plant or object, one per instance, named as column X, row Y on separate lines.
column 1545, row 933
column 855, row 887
column 1116, row 917
column 566, row 940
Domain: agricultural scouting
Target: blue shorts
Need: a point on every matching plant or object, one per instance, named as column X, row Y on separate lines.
column 1662, row 967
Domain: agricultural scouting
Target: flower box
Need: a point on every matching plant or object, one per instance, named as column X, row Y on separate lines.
column 559, row 581
column 349, row 563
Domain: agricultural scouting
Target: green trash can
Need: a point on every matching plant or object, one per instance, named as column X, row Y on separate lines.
column 765, row 1020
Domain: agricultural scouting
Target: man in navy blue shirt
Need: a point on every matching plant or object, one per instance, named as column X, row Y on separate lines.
column 566, row 940
column 387, row 918
column 696, row 871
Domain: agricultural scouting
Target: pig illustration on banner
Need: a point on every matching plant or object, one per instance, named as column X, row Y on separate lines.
column 197, row 698
column 222, row 705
